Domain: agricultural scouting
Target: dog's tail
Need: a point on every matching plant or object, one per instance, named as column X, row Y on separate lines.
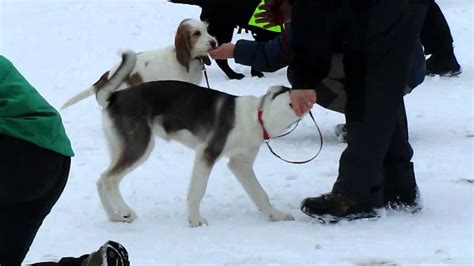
column 102, row 93
column 78, row 97
column 189, row 2
column 104, row 80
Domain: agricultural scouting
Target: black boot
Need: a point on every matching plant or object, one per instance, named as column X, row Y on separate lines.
column 400, row 189
column 109, row 254
column 332, row 207
column 403, row 197
column 443, row 63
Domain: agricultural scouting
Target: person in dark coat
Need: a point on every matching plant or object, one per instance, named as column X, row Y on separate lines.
column 435, row 37
column 35, row 156
column 274, row 55
column 378, row 39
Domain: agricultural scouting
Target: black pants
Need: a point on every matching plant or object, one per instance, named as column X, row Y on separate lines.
column 435, row 34
column 31, row 181
column 375, row 79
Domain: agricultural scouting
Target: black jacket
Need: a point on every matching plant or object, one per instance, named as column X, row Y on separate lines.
column 368, row 26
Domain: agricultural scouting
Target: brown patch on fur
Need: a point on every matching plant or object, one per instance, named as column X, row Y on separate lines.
column 193, row 39
column 182, row 43
column 133, row 80
column 102, row 80
column 146, row 63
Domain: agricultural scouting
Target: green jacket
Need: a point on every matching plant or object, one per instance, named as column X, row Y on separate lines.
column 26, row 115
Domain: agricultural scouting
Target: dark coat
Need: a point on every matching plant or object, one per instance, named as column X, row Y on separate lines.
column 275, row 54
column 363, row 26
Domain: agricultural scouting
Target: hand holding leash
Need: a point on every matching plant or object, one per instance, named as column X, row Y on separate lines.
column 302, row 100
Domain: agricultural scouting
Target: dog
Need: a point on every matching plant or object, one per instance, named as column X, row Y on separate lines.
column 213, row 123
column 183, row 61
column 223, row 17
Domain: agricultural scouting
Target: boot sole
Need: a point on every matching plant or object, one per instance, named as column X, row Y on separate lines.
column 330, row 219
column 447, row 74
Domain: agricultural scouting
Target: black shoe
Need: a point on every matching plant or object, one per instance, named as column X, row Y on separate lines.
column 341, row 132
column 443, row 63
column 401, row 198
column 333, row 207
column 109, row 254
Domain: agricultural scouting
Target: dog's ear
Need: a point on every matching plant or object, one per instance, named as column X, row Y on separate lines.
column 182, row 43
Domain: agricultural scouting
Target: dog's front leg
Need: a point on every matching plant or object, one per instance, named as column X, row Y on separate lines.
column 197, row 187
column 242, row 167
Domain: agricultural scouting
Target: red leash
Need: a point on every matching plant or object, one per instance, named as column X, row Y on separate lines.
column 266, row 136
column 304, row 161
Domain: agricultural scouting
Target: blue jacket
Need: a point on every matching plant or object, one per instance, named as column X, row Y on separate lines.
column 275, row 54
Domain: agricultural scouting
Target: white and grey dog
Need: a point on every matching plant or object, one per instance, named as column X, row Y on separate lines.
column 181, row 61
column 213, row 123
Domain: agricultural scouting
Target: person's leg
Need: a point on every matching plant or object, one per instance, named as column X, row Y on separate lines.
column 400, row 188
column 331, row 93
column 375, row 84
column 438, row 42
column 435, row 33
column 31, row 182
column 373, row 100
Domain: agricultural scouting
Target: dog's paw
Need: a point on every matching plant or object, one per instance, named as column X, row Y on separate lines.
column 237, row 76
column 256, row 73
column 123, row 216
column 198, row 221
column 280, row 216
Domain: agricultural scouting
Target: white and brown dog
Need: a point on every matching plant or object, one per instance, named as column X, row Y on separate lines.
column 213, row 123
column 182, row 61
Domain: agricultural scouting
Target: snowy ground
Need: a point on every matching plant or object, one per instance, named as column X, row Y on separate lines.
column 63, row 46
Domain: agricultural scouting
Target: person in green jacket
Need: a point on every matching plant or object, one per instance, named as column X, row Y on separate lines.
column 35, row 157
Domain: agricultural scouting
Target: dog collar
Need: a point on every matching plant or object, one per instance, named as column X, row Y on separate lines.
column 266, row 136
column 205, row 60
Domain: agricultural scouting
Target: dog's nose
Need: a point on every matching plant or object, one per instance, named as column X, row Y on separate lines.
column 213, row 44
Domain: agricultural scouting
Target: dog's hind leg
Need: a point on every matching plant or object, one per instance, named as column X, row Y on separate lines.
column 242, row 167
column 130, row 142
column 203, row 164
column 223, row 34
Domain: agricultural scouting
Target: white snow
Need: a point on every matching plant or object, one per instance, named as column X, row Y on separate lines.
column 64, row 46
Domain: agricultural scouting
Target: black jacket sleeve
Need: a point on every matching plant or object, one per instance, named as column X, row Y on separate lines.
column 264, row 56
column 310, row 46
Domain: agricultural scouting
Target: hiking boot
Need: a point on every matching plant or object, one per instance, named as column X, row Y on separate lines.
column 403, row 198
column 109, row 254
column 400, row 191
column 335, row 206
column 443, row 63
column 341, row 132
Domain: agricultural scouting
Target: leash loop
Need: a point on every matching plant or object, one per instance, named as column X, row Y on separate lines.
column 267, row 142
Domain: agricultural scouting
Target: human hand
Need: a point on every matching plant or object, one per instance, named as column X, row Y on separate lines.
column 274, row 12
column 225, row 51
column 302, row 100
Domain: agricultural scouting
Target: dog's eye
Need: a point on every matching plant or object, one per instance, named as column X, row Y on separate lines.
column 197, row 33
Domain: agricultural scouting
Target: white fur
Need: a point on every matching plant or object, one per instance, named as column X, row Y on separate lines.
column 241, row 147
column 162, row 64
